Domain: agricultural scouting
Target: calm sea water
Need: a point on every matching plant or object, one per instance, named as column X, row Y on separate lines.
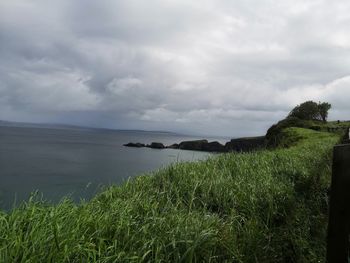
column 76, row 162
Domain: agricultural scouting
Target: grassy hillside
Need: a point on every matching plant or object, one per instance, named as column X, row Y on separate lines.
column 274, row 133
column 267, row 206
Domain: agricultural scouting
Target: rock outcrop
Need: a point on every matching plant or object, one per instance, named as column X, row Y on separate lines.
column 156, row 145
column 238, row 145
column 137, row 145
column 213, row 147
column 202, row 145
column 196, row 145
column 173, row 146
column 246, row 144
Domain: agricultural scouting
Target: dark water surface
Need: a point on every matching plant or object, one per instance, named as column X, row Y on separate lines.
column 76, row 162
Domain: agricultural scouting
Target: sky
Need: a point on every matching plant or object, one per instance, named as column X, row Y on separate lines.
column 208, row 67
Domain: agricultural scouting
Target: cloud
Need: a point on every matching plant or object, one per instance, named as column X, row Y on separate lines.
column 211, row 67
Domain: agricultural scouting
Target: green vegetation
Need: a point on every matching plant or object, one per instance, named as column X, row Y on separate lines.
column 273, row 135
column 323, row 109
column 310, row 110
column 266, row 206
column 308, row 115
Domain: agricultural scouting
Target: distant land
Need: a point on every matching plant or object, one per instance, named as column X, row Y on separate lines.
column 73, row 127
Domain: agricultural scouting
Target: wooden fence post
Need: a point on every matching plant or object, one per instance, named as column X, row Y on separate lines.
column 339, row 215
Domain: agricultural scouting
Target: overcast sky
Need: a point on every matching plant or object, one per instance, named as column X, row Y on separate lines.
column 211, row 67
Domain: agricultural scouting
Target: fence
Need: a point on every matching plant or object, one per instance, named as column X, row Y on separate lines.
column 339, row 215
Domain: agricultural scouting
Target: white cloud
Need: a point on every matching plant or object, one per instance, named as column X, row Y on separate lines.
column 223, row 67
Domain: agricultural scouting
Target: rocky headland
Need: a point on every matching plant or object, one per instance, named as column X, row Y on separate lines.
column 235, row 145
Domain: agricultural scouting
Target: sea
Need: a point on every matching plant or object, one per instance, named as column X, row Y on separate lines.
column 52, row 163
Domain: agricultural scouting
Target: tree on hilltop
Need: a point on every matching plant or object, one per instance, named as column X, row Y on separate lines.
column 306, row 111
column 311, row 110
column 324, row 108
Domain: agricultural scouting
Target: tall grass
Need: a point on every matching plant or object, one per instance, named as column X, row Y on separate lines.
column 267, row 206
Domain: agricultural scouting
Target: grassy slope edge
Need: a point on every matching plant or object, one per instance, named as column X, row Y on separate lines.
column 267, row 206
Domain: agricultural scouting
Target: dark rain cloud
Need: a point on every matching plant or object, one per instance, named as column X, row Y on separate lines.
column 212, row 67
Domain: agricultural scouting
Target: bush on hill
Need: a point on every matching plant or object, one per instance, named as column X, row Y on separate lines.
column 306, row 111
column 324, row 108
column 274, row 133
column 310, row 110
